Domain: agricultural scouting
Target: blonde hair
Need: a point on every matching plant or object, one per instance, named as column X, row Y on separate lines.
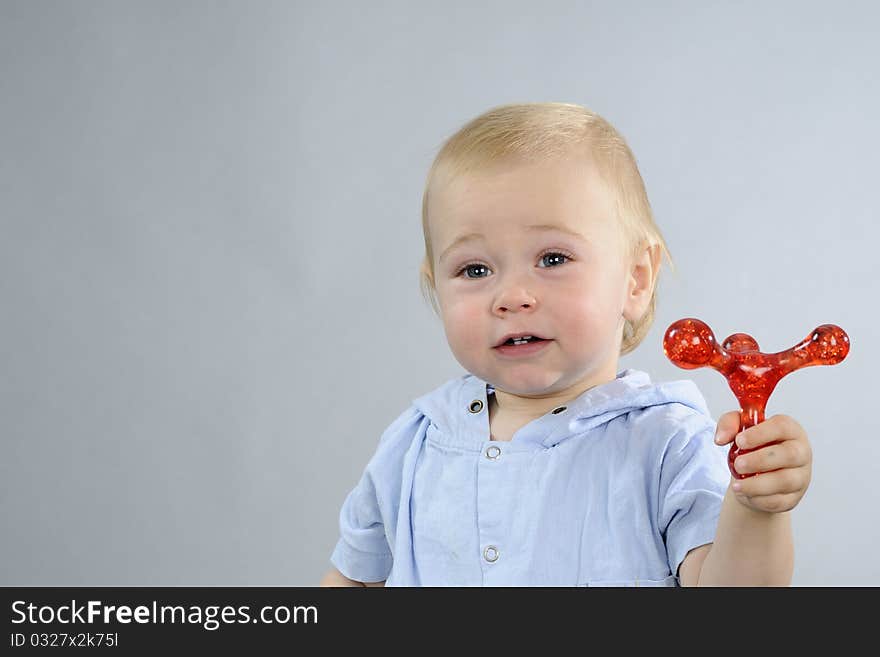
column 543, row 131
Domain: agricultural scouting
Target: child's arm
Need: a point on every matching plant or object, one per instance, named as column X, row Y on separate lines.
column 753, row 542
column 751, row 548
column 335, row 578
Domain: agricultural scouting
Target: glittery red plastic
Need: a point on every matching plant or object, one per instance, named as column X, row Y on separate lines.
column 752, row 375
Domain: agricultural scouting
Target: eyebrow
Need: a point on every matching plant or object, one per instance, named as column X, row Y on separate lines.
column 467, row 237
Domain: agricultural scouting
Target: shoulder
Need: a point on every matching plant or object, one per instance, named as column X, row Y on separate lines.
column 683, row 446
column 411, row 424
column 673, row 419
column 402, row 425
column 398, row 436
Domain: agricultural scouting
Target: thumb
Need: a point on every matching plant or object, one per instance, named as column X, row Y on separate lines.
column 728, row 427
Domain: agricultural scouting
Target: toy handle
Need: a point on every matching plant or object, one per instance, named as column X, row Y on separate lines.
column 749, row 417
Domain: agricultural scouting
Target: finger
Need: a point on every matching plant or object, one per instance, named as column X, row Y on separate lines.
column 775, row 503
column 774, row 429
column 787, row 480
column 728, row 426
column 787, row 454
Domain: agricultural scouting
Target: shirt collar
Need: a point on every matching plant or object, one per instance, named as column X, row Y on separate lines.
column 459, row 408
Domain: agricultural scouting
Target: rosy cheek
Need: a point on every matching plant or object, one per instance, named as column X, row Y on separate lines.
column 464, row 322
column 577, row 319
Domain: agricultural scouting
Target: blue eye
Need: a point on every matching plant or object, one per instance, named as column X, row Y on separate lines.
column 555, row 256
column 549, row 260
column 470, row 268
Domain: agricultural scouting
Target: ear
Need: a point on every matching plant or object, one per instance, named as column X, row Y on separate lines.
column 429, row 289
column 640, row 281
column 425, row 273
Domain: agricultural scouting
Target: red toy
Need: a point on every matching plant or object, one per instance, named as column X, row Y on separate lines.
column 752, row 375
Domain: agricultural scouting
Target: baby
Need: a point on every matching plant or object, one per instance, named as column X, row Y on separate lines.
column 545, row 465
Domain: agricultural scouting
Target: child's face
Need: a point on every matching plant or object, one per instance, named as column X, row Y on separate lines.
column 522, row 280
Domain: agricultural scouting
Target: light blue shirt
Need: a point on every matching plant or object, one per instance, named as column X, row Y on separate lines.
column 613, row 488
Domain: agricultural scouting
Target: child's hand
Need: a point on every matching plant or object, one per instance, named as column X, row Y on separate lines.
column 785, row 468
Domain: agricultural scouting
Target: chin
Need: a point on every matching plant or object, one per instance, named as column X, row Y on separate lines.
column 533, row 383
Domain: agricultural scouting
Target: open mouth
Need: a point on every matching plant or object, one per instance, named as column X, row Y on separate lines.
column 523, row 340
column 524, row 346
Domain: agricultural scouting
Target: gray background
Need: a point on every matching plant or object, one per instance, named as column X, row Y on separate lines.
column 211, row 239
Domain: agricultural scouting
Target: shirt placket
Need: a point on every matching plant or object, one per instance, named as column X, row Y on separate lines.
column 497, row 465
column 493, row 523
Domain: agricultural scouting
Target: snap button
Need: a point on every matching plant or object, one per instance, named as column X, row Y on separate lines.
column 493, row 452
column 476, row 406
column 490, row 554
column 559, row 409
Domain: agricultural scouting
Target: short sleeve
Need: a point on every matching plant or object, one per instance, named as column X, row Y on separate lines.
column 362, row 552
column 693, row 480
column 368, row 518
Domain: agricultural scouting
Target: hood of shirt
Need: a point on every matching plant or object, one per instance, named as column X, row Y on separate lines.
column 461, row 405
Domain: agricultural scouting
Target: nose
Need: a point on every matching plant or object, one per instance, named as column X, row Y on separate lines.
column 514, row 299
